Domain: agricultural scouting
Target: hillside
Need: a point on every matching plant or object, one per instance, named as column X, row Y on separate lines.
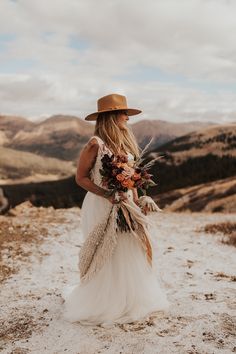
column 196, row 158
column 10, row 125
column 62, row 193
column 59, row 136
column 63, row 136
column 3, row 138
column 218, row 140
column 217, row 196
column 164, row 131
column 18, row 166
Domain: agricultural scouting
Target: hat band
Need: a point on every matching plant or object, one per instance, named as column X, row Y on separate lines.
column 111, row 108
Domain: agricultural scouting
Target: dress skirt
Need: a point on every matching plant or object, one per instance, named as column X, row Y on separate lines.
column 124, row 290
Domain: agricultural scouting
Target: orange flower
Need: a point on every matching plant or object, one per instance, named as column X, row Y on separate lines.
column 120, row 177
column 131, row 184
column 127, row 183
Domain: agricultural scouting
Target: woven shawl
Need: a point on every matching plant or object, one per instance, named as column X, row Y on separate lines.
column 100, row 243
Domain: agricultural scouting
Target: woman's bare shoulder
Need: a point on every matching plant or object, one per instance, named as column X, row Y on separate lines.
column 92, row 142
column 91, row 146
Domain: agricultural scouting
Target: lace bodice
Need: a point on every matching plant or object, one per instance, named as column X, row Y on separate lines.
column 103, row 149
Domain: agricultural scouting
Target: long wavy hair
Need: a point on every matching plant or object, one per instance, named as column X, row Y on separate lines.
column 116, row 139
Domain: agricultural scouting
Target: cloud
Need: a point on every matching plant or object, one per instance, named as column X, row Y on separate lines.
column 172, row 59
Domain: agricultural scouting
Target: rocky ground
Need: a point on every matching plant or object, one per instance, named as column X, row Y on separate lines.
column 39, row 256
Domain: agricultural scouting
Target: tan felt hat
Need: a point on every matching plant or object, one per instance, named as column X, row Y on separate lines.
column 112, row 102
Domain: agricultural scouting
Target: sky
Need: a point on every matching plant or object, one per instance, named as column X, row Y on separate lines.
column 173, row 59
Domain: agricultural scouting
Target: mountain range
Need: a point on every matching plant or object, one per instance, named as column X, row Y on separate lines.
column 63, row 136
column 193, row 154
column 194, row 158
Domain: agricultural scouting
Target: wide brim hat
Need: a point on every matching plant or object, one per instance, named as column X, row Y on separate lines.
column 112, row 102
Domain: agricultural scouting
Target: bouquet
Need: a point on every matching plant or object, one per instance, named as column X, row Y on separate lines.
column 119, row 174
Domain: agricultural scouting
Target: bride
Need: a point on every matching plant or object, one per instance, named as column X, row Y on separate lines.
column 121, row 287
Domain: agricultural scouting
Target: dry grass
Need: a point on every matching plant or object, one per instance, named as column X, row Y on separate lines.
column 21, row 325
column 18, row 327
column 19, row 164
column 24, row 227
column 13, row 237
column 228, row 229
column 221, row 275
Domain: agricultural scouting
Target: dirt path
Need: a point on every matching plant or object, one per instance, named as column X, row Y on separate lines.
column 195, row 269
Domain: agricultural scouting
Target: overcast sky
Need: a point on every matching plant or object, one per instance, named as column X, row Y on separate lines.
column 173, row 59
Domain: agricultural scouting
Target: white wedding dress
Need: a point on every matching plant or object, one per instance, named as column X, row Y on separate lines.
column 125, row 289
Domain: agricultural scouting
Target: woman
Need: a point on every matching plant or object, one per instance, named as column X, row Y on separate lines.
column 125, row 289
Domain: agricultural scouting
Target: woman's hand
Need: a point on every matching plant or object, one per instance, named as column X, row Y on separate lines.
column 147, row 205
column 112, row 198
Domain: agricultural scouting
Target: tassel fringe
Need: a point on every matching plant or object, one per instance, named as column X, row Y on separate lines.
column 100, row 244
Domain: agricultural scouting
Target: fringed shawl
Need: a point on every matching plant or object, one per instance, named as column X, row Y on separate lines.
column 101, row 241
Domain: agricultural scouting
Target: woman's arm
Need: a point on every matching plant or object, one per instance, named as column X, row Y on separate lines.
column 85, row 163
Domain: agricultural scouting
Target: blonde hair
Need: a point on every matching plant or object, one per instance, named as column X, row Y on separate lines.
column 115, row 138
